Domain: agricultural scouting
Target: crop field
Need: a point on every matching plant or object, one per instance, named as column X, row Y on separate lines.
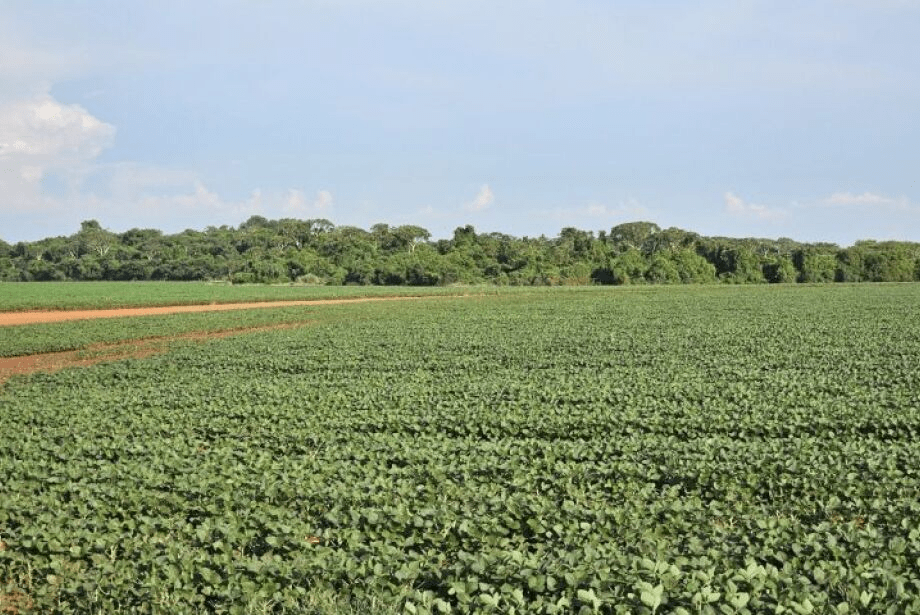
column 98, row 295
column 657, row 450
column 57, row 336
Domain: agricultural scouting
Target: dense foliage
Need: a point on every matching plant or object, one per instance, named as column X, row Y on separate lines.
column 316, row 251
column 695, row 450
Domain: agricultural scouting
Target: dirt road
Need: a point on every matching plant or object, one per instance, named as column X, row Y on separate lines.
column 34, row 317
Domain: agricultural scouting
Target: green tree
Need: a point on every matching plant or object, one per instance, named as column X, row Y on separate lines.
column 693, row 268
column 850, row 265
column 40, row 270
column 400, row 238
column 89, row 267
column 815, row 265
column 889, row 262
column 575, row 274
column 9, row 272
column 780, row 270
column 662, row 270
column 573, row 245
column 669, row 240
column 134, row 269
column 93, row 239
column 745, row 266
column 632, row 235
column 628, row 267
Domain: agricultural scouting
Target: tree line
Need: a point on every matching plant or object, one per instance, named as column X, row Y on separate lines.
column 318, row 252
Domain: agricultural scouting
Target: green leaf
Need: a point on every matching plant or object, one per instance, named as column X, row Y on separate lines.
column 588, row 596
column 651, row 596
column 739, row 600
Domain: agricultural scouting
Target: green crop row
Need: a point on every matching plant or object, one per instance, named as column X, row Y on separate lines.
column 690, row 451
column 79, row 334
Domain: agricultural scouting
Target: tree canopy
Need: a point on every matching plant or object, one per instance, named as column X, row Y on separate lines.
column 317, row 251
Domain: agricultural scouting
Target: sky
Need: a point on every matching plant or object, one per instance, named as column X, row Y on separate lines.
column 733, row 118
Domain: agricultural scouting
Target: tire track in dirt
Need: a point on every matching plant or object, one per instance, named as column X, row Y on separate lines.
column 42, row 316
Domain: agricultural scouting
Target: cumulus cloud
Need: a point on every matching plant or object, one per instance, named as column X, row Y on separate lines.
column 737, row 206
column 45, row 133
column 41, row 138
column 483, row 199
column 40, row 135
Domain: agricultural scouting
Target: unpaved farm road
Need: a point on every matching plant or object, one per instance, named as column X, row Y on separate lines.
column 35, row 317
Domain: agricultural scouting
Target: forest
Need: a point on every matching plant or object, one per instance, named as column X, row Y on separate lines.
column 318, row 252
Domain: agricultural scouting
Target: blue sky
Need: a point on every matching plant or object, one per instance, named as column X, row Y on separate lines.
column 737, row 118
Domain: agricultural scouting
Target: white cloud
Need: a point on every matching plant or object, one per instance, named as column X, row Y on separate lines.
column 323, row 200
column 199, row 206
column 188, row 209
column 295, row 203
column 27, row 71
column 629, row 207
column 483, row 199
column 41, row 131
column 593, row 212
column 42, row 137
column 866, row 199
column 39, row 135
column 736, row 206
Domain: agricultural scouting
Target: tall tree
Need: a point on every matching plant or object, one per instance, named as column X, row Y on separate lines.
column 93, row 239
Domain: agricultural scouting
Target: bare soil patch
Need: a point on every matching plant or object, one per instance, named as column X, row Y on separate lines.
column 43, row 316
column 131, row 349
column 14, row 603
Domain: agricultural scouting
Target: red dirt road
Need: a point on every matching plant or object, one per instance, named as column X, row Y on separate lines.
column 34, row 317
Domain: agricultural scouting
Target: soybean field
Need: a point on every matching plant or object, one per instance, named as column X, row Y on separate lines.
column 98, row 295
column 711, row 449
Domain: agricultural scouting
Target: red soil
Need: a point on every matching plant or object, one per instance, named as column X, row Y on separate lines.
column 33, row 317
